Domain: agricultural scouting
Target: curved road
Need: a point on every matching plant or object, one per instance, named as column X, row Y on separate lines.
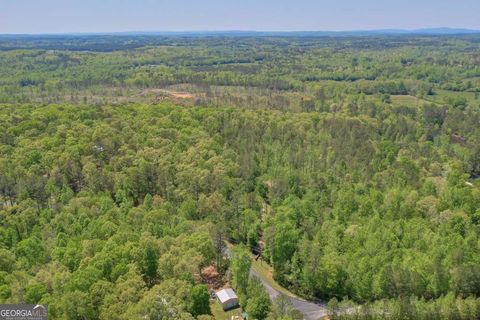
column 310, row 310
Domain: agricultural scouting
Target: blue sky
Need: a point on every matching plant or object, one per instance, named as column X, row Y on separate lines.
column 59, row 16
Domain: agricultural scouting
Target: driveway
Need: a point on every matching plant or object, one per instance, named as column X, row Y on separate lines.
column 310, row 310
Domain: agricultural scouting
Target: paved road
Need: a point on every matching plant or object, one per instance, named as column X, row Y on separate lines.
column 310, row 310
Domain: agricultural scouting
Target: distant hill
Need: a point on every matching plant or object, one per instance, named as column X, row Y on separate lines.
column 245, row 33
column 445, row 31
column 424, row 31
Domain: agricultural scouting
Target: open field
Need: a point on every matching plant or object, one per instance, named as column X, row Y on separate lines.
column 405, row 100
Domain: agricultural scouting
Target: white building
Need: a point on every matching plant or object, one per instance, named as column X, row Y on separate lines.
column 227, row 298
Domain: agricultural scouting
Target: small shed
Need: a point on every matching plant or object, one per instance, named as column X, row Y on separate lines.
column 227, row 298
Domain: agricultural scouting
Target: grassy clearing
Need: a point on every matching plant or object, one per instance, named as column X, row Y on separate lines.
column 411, row 101
column 468, row 95
column 442, row 94
column 405, row 100
column 219, row 314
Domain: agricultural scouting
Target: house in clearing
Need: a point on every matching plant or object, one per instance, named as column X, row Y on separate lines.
column 227, row 298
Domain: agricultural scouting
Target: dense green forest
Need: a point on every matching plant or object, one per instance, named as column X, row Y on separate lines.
column 126, row 165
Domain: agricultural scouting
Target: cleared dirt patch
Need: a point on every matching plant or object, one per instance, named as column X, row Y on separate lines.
column 212, row 278
column 182, row 95
column 173, row 94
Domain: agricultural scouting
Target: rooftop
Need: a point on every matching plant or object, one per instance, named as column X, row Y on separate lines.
column 226, row 294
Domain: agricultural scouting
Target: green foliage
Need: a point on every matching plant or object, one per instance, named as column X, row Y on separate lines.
column 447, row 307
column 352, row 164
column 240, row 267
column 7, row 260
column 200, row 300
column 35, row 292
column 258, row 304
column 31, row 251
column 282, row 308
column 149, row 263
